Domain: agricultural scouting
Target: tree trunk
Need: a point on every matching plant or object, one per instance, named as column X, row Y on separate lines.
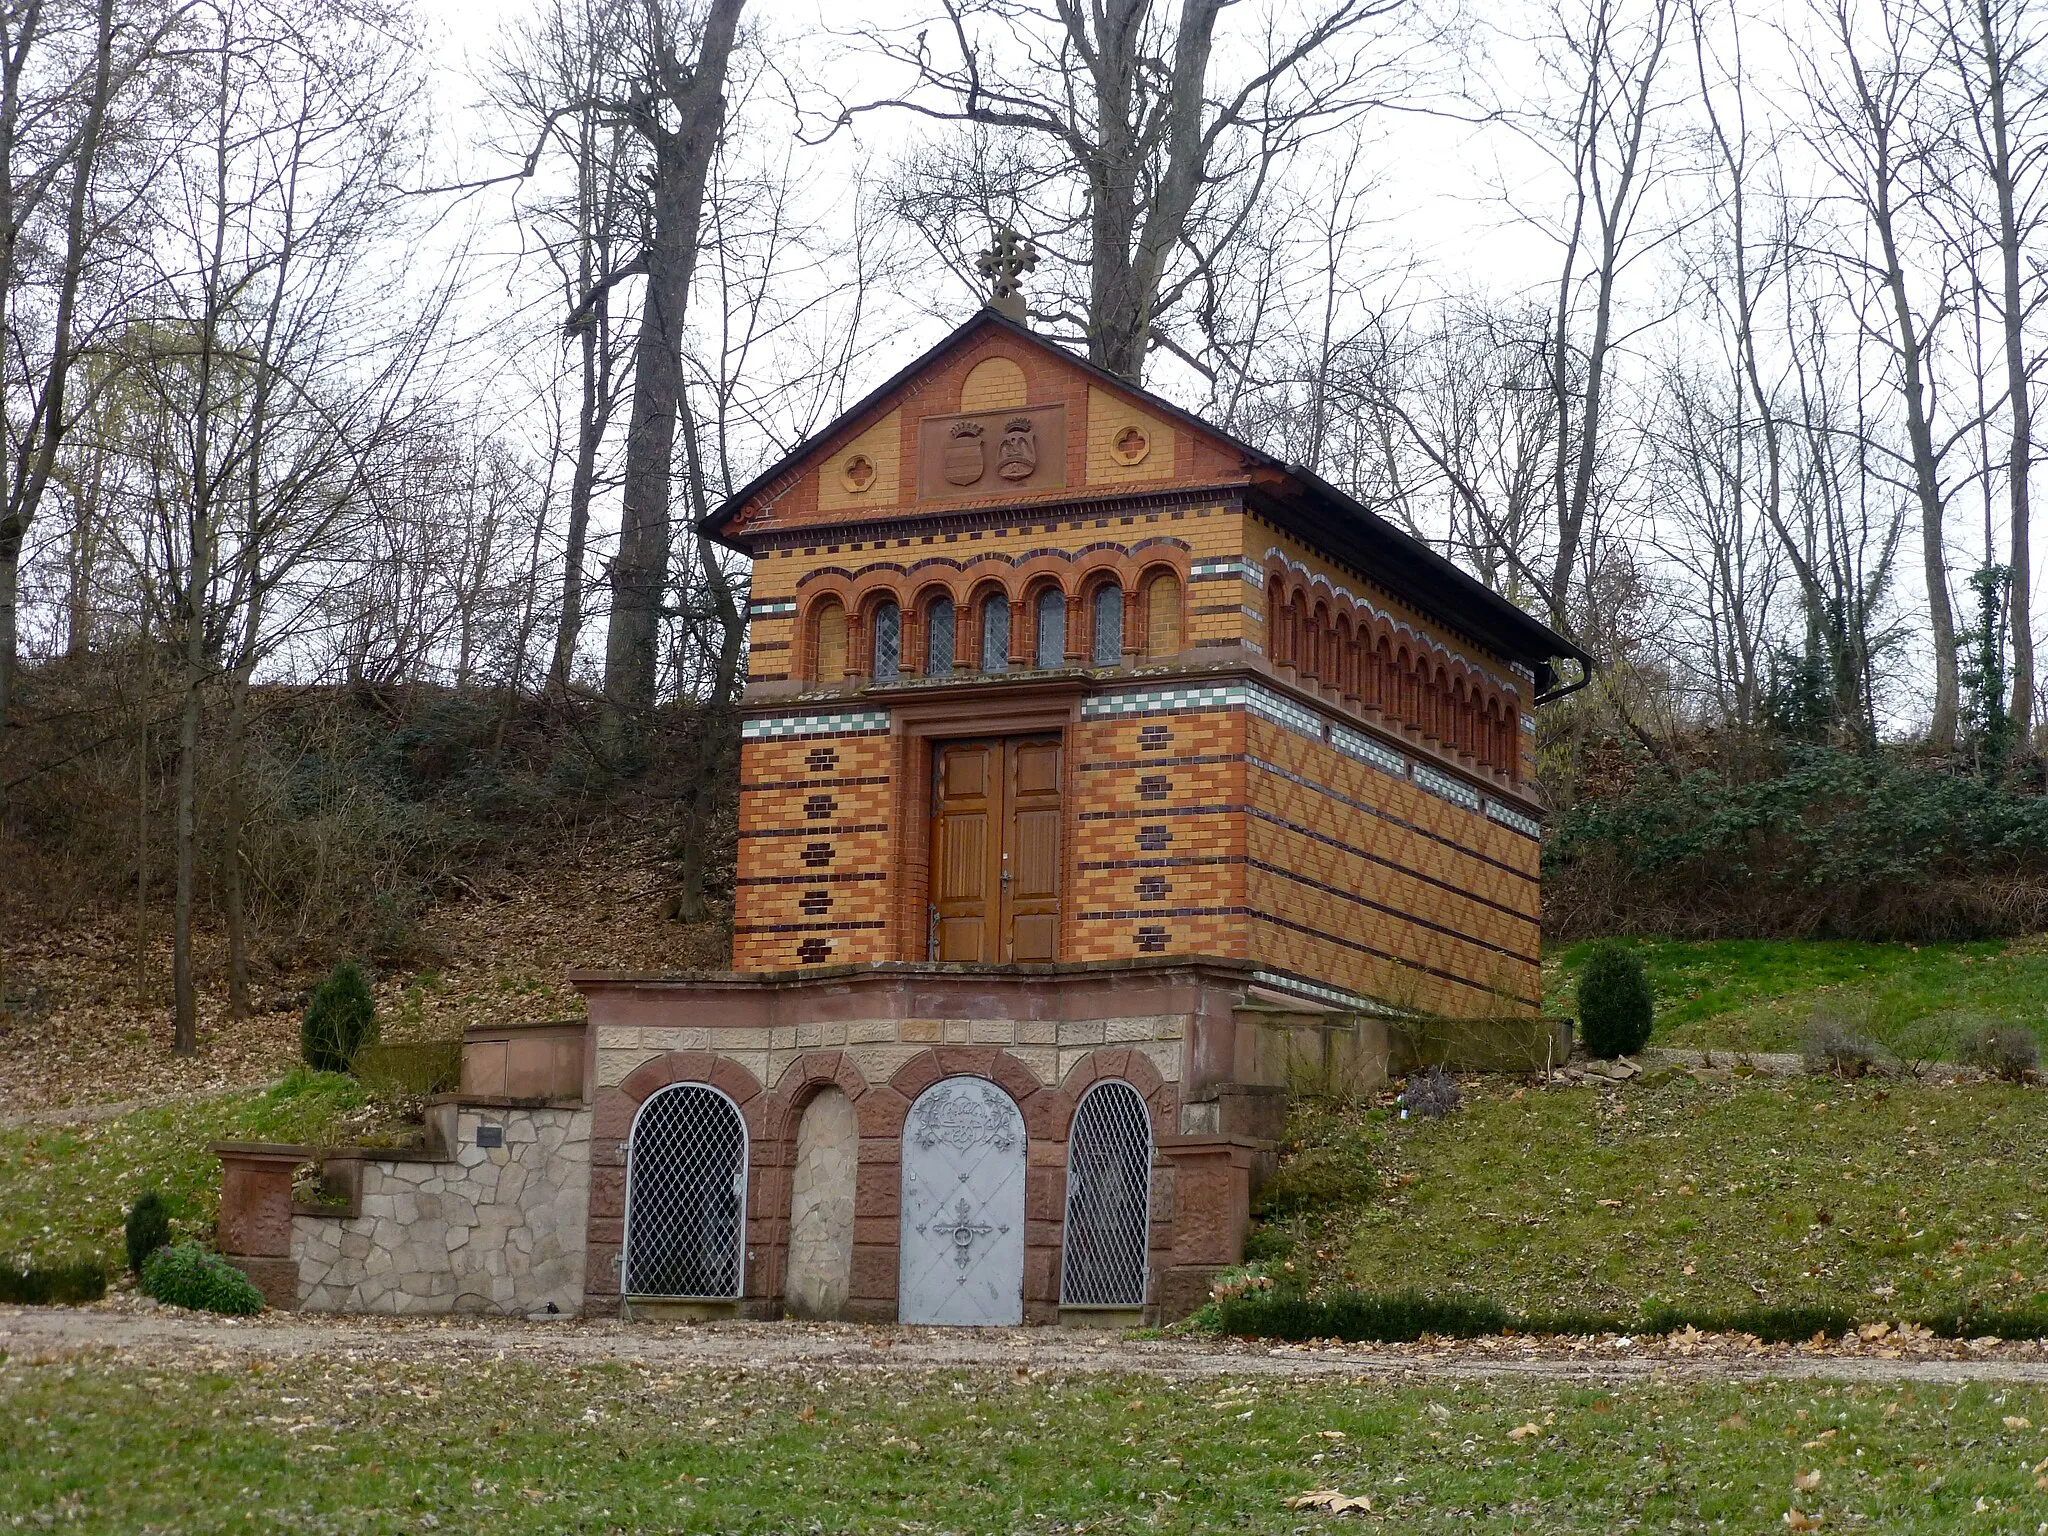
column 237, row 815
column 590, row 424
column 184, row 996
column 2019, row 460
column 682, row 165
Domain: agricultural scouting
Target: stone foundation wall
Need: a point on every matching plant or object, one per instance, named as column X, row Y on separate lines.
column 488, row 1229
column 881, row 1047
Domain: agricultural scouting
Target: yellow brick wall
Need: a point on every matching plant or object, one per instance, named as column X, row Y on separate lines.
column 883, row 445
column 993, row 384
column 1156, row 864
column 1108, row 415
column 816, row 820
column 1365, row 880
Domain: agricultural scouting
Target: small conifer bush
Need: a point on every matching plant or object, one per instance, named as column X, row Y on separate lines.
column 1615, row 1007
column 148, row 1229
column 340, row 1020
column 186, row 1275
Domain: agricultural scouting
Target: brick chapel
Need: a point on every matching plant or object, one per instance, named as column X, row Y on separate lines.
column 1092, row 759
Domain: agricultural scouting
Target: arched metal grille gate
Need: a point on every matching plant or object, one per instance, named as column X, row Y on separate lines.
column 1109, row 1199
column 686, row 1195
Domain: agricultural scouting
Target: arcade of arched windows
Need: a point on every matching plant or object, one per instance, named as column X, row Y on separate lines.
column 883, row 624
column 1351, row 657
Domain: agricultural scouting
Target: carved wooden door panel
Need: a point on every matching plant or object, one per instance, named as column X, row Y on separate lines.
column 1031, row 885
column 963, row 1207
column 996, row 836
column 966, row 849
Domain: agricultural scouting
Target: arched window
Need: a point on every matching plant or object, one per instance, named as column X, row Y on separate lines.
column 1052, row 627
column 828, row 643
column 938, row 638
column 995, row 633
column 1162, row 616
column 888, row 642
column 1109, row 1199
column 686, row 1194
column 1109, row 625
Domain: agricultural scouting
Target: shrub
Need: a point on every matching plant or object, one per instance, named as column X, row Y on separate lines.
column 1772, row 1325
column 2006, row 1051
column 40, row 1285
column 1615, row 1006
column 410, row 1066
column 2024, row 1322
column 1267, row 1245
column 186, row 1275
column 148, row 1229
column 1830, row 1047
column 1321, row 1177
column 1431, row 1093
column 1916, row 1044
column 1818, row 844
column 1398, row 1318
column 340, row 1020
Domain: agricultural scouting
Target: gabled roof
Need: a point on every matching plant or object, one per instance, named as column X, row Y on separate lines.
column 1293, row 495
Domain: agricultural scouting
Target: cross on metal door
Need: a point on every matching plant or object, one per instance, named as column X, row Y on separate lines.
column 963, row 1207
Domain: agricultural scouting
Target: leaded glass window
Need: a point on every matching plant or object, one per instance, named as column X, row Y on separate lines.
column 888, row 642
column 1109, row 624
column 1052, row 627
column 938, row 638
column 995, row 634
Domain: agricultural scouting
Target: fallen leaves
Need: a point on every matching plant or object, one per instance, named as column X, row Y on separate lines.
column 1806, row 1482
column 1798, row 1521
column 1329, row 1501
column 1523, row 1432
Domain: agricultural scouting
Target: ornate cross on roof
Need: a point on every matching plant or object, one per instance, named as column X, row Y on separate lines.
column 1004, row 265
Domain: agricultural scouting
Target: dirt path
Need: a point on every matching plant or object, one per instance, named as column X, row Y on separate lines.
column 129, row 1331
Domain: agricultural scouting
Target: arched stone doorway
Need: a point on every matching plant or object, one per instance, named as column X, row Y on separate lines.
column 962, row 1256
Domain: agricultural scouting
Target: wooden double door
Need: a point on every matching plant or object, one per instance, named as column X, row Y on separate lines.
column 996, row 817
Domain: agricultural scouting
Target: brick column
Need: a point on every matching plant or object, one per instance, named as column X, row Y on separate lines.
column 1212, row 1198
column 255, row 1227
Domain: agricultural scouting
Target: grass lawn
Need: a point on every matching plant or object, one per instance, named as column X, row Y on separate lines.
column 1759, row 994
column 65, row 1189
column 1885, row 1199
column 362, row 1447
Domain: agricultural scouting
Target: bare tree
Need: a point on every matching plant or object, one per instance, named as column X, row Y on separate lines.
column 1608, row 58
column 62, row 68
column 561, row 65
column 1116, row 136
column 677, row 109
column 1992, row 48
column 267, row 382
column 1864, row 97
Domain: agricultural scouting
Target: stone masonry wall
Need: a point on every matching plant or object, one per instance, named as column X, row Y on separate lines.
column 880, row 1047
column 493, row 1229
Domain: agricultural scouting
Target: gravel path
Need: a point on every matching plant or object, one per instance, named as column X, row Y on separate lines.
column 132, row 1331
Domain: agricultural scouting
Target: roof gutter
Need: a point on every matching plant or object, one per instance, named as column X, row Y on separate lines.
column 1552, row 695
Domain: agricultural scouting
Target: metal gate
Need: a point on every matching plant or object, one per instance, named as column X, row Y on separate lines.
column 1109, row 1199
column 686, row 1195
column 963, row 1207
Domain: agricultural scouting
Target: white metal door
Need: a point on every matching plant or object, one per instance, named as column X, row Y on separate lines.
column 963, row 1207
